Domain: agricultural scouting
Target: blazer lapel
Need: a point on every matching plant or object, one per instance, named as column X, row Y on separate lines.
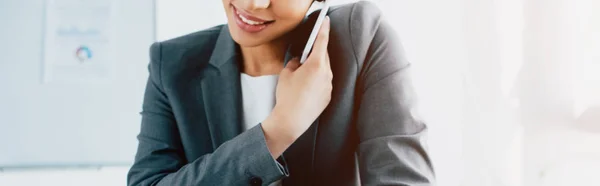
column 221, row 91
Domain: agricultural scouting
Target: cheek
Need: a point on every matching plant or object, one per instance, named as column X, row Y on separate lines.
column 290, row 10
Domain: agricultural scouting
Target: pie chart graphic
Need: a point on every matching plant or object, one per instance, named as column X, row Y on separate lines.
column 83, row 54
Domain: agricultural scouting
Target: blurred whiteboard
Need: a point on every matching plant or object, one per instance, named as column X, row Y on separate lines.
column 70, row 123
column 77, row 40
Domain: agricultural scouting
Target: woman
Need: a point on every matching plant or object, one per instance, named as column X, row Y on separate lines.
column 220, row 108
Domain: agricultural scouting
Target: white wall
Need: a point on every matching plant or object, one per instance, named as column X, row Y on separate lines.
column 179, row 17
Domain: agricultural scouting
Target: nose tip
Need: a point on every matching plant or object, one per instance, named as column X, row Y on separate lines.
column 258, row 4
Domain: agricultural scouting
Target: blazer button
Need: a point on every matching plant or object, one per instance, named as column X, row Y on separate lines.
column 255, row 181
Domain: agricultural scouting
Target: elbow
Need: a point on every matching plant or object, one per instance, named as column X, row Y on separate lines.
column 136, row 177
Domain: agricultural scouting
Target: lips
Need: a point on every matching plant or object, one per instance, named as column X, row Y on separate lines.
column 248, row 22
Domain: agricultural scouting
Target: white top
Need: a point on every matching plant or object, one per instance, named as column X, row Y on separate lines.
column 258, row 96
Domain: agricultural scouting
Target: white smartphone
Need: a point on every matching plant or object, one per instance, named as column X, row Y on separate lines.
column 314, row 33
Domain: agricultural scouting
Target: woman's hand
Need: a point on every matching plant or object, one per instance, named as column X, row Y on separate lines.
column 303, row 92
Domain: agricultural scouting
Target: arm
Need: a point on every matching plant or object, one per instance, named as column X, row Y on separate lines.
column 160, row 158
column 392, row 148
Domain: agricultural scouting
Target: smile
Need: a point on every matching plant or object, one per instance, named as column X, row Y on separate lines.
column 248, row 22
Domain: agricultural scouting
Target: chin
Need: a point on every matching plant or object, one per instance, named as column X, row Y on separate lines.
column 244, row 40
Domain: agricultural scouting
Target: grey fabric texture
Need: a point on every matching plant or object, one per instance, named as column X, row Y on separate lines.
column 370, row 133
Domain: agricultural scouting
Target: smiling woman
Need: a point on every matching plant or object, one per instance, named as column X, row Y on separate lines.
column 232, row 105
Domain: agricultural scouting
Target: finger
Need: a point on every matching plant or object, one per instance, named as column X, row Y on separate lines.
column 329, row 70
column 320, row 46
column 327, row 61
column 293, row 64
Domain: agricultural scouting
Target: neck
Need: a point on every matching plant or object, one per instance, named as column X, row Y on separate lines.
column 265, row 59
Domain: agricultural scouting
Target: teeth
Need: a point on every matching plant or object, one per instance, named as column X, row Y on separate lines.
column 250, row 22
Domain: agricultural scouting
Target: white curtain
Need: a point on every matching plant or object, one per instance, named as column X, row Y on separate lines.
column 502, row 84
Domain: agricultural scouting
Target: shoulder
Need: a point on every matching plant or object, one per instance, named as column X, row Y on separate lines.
column 364, row 31
column 356, row 12
column 189, row 44
column 359, row 23
column 184, row 52
column 359, row 28
column 362, row 17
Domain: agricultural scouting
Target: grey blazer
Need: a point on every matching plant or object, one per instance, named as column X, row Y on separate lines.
column 192, row 133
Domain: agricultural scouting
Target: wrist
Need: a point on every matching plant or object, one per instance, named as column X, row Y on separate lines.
column 277, row 139
column 280, row 127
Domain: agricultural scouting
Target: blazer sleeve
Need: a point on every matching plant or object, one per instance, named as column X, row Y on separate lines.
column 392, row 148
column 160, row 158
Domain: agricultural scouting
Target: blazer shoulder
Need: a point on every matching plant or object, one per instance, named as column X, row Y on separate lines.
column 361, row 13
column 185, row 52
column 365, row 21
column 195, row 39
column 358, row 23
